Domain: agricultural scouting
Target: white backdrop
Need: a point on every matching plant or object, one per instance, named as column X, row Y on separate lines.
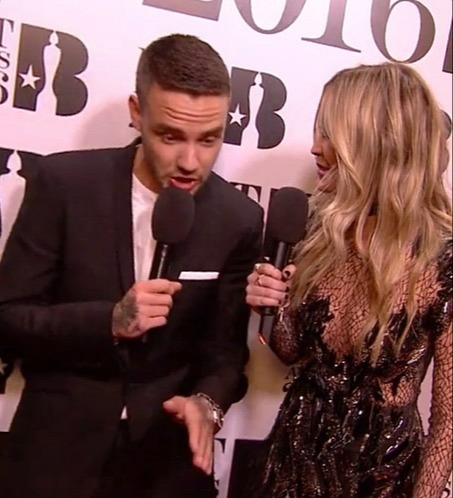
column 280, row 54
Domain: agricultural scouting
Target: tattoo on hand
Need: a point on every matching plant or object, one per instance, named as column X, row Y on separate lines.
column 125, row 313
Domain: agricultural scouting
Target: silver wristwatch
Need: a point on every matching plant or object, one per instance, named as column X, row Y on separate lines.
column 216, row 412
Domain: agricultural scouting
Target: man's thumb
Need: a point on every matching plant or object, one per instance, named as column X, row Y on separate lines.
column 174, row 405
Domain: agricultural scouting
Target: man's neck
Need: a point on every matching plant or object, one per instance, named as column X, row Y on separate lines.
column 141, row 171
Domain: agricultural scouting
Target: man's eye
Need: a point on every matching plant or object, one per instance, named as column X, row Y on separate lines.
column 210, row 140
column 168, row 138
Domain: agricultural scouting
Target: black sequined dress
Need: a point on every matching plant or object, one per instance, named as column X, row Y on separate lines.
column 349, row 429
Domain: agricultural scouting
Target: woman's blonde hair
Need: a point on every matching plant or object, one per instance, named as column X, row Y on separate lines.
column 387, row 131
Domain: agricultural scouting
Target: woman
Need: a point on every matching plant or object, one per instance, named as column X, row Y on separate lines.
column 370, row 300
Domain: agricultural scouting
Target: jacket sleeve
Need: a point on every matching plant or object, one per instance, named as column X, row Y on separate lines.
column 33, row 325
column 224, row 353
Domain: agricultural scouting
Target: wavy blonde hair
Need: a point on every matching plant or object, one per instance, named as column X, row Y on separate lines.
column 387, row 131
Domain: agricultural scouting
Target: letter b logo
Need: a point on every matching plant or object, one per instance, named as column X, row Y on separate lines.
column 47, row 71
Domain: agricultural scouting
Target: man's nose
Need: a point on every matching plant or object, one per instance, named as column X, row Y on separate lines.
column 188, row 159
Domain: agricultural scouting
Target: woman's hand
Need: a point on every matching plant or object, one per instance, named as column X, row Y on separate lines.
column 268, row 286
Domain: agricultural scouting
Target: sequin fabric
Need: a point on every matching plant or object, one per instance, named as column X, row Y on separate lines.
column 347, row 428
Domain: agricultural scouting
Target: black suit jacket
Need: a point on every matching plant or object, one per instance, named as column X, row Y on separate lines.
column 68, row 260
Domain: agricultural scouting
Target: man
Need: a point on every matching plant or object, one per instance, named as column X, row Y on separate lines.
column 104, row 413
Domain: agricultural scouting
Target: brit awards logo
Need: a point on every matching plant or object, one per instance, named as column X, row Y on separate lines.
column 255, row 102
column 8, row 163
column 15, row 168
column 49, row 65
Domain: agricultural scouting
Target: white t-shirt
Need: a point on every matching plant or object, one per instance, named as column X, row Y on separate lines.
column 143, row 201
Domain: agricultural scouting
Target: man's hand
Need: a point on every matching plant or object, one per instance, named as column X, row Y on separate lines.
column 145, row 306
column 195, row 413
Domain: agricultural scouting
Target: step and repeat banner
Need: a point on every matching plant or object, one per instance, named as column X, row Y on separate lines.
column 279, row 52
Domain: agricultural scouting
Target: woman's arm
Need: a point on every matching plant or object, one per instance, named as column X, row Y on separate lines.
column 436, row 462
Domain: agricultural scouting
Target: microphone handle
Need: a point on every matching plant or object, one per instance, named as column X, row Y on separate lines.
column 159, row 268
column 280, row 260
column 161, row 261
column 267, row 318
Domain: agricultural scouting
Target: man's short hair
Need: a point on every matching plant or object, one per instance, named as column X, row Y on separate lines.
column 182, row 63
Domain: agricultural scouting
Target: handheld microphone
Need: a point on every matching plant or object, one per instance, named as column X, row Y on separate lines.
column 285, row 227
column 171, row 222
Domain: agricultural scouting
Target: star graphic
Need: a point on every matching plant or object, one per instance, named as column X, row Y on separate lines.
column 237, row 116
column 28, row 78
column 3, row 367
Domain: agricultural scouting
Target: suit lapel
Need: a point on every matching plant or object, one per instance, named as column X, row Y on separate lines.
column 122, row 213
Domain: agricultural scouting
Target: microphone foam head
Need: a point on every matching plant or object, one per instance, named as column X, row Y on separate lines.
column 172, row 215
column 287, row 215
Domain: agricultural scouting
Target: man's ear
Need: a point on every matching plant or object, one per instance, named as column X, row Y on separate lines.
column 134, row 112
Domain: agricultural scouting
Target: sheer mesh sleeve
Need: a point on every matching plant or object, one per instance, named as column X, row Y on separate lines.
column 436, row 462
column 284, row 340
